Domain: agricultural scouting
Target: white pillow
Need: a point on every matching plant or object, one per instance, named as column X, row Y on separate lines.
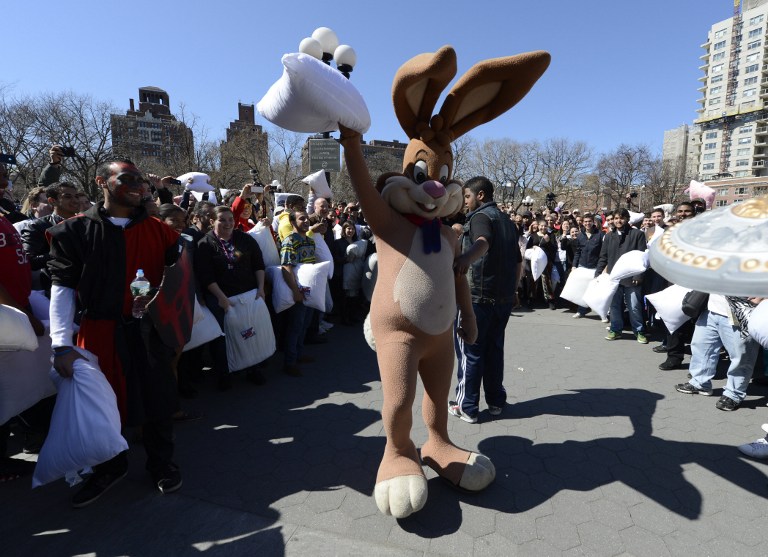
column 204, row 330
column 357, row 248
column 599, row 294
column 578, row 280
column 669, row 306
column 282, row 295
column 313, row 279
column 85, row 426
column 758, row 324
column 538, row 260
column 24, row 379
column 370, row 275
column 319, row 184
column 635, row 218
column 630, row 264
column 196, row 181
column 323, row 253
column 312, row 97
column 40, row 305
column 266, row 242
column 16, row 332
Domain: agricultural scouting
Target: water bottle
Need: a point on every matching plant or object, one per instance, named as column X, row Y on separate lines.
column 139, row 289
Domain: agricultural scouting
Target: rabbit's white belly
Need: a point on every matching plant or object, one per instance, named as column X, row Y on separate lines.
column 425, row 287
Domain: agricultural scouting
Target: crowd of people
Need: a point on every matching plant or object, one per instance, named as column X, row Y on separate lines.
column 82, row 256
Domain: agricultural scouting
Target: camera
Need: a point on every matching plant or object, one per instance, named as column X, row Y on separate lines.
column 174, row 181
column 68, row 151
column 7, row 159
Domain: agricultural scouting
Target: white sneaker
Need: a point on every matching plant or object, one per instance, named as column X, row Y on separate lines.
column 604, row 320
column 325, row 324
column 455, row 410
column 577, row 315
column 758, row 449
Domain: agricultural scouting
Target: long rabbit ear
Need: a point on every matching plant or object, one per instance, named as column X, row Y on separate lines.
column 418, row 85
column 489, row 89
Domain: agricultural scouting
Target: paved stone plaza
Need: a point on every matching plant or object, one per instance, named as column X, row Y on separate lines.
column 596, row 454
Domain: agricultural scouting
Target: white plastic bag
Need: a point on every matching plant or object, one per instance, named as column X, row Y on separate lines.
column 205, row 330
column 85, row 427
column 266, row 242
column 758, row 324
column 578, row 280
column 24, row 379
column 632, row 263
column 16, row 332
column 599, row 294
column 248, row 327
column 669, row 306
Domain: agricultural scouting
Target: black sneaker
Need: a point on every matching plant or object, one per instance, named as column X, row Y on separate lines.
column 660, row 349
column 95, row 487
column 689, row 389
column 169, row 479
column 727, row 404
column 670, row 364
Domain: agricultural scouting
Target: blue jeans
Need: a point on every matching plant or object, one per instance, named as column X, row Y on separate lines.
column 483, row 362
column 713, row 331
column 632, row 296
column 297, row 320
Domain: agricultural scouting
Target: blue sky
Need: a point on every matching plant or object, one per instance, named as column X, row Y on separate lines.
column 622, row 71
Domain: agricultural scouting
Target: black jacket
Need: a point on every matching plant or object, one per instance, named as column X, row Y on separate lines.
column 617, row 244
column 586, row 251
column 35, row 242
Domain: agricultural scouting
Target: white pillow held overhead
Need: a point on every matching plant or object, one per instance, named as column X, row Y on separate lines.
column 312, row 97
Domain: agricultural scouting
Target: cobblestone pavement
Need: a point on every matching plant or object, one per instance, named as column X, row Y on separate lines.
column 596, row 454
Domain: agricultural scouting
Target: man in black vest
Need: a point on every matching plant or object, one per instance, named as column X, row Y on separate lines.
column 491, row 254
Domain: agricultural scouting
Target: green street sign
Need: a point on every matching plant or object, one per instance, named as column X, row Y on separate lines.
column 324, row 154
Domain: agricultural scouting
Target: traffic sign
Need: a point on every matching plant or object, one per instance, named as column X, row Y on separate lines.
column 324, row 154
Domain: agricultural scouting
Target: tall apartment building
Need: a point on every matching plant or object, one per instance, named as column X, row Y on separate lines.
column 680, row 154
column 245, row 149
column 151, row 135
column 733, row 116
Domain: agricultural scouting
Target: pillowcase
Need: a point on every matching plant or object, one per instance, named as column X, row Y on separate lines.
column 632, row 263
column 758, row 324
column 578, row 280
column 16, row 332
column 312, row 278
column 85, row 426
column 669, row 306
column 538, row 260
column 312, row 97
column 267, row 245
column 196, row 181
column 599, row 294
column 319, row 184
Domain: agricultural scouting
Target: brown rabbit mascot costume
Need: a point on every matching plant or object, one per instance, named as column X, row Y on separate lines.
column 416, row 294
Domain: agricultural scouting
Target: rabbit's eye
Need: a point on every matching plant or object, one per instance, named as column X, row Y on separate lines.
column 420, row 172
column 444, row 174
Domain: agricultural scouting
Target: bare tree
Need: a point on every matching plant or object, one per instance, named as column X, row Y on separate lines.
column 505, row 161
column 619, row 170
column 563, row 166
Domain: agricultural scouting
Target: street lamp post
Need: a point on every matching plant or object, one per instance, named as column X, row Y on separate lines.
column 324, row 45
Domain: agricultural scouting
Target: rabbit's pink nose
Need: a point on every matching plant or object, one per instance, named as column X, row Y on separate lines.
column 434, row 188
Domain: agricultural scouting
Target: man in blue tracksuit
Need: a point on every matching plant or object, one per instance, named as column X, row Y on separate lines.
column 491, row 255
